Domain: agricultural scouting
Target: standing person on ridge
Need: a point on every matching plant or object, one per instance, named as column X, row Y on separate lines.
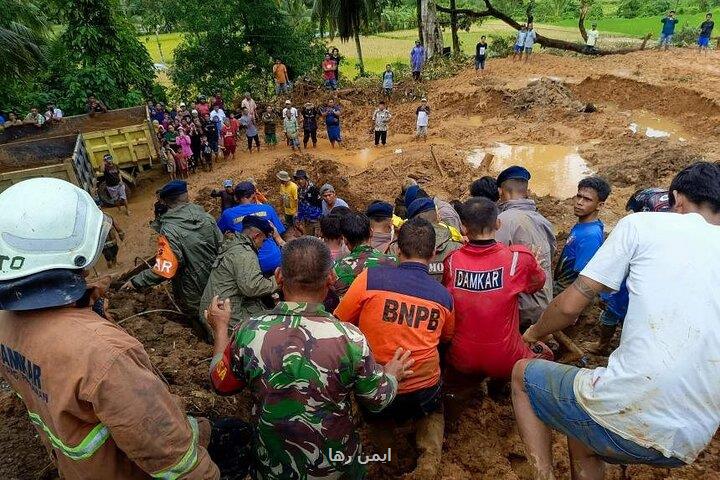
column 592, row 39
column 417, row 60
column 337, row 58
column 310, row 114
column 381, row 118
column 668, row 30
column 281, row 77
column 269, row 119
column 388, row 80
column 480, row 55
column 706, row 29
column 520, row 43
column 332, row 121
column 530, row 38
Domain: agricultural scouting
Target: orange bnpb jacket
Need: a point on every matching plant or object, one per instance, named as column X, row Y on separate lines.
column 401, row 307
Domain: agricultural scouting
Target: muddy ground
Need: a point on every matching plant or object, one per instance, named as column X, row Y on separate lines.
column 541, row 103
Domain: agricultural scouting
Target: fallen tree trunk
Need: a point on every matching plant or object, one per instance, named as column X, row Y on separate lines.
column 547, row 42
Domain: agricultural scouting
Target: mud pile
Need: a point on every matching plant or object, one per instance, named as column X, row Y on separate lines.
column 544, row 93
column 645, row 161
column 210, row 204
column 180, row 358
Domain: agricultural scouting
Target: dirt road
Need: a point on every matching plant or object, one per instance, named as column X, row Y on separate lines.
column 656, row 112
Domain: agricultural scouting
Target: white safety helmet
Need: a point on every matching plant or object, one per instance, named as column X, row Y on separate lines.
column 49, row 224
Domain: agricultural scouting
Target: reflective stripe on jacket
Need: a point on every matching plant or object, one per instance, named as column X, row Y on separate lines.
column 98, row 406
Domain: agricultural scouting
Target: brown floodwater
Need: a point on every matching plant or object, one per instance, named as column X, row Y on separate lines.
column 555, row 169
column 655, row 126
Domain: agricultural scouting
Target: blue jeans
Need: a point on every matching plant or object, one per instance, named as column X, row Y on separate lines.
column 549, row 386
column 665, row 39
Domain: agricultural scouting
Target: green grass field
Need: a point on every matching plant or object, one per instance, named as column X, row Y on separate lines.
column 640, row 26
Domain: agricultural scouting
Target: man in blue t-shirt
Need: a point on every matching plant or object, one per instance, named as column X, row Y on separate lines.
column 586, row 236
column 706, row 29
column 668, row 30
column 616, row 303
column 231, row 221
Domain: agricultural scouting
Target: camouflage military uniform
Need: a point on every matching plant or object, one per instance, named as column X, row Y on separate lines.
column 350, row 266
column 302, row 364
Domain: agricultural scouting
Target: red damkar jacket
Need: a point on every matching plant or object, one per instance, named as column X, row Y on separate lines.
column 485, row 280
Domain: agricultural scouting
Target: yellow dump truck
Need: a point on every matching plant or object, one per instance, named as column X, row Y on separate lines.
column 74, row 148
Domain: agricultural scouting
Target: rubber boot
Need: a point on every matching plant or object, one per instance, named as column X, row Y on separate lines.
column 602, row 346
column 429, row 440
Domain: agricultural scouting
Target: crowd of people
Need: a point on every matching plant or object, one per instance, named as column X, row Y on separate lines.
column 196, row 137
column 409, row 306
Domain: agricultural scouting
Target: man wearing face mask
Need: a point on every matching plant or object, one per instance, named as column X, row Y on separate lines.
column 188, row 243
column 381, row 224
column 236, row 273
column 77, row 373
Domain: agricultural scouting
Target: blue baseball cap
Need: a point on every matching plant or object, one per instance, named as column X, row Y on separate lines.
column 411, row 194
column 173, row 188
column 244, row 189
column 227, row 183
column 379, row 209
column 419, row 206
column 516, row 172
column 253, row 221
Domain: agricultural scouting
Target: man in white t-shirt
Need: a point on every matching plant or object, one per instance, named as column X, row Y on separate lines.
column 293, row 110
column 592, row 39
column 423, row 118
column 658, row 400
column 217, row 115
column 530, row 37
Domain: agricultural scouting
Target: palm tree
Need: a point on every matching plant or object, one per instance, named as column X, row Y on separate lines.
column 22, row 36
column 346, row 17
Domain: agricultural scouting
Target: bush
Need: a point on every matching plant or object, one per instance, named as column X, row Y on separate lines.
column 501, row 46
column 442, row 67
column 685, row 36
